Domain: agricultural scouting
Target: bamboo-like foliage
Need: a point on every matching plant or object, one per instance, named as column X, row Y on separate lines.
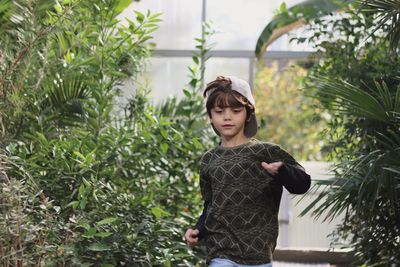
column 54, row 55
column 124, row 185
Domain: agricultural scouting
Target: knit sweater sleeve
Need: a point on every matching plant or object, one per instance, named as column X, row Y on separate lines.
column 291, row 174
column 206, row 192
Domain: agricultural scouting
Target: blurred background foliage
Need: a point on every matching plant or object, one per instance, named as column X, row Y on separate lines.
column 287, row 116
column 355, row 79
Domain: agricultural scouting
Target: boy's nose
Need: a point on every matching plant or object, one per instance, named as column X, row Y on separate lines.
column 227, row 115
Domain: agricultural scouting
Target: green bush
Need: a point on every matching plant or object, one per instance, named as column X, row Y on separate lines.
column 121, row 188
column 128, row 194
column 31, row 231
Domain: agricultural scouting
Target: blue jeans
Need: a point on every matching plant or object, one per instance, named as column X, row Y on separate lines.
column 217, row 262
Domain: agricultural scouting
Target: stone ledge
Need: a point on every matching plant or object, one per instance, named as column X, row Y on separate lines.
column 342, row 258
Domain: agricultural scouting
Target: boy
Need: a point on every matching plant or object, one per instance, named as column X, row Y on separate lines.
column 241, row 182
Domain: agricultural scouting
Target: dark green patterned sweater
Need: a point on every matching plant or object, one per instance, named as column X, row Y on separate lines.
column 241, row 200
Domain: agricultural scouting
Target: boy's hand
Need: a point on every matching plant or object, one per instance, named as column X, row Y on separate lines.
column 272, row 168
column 191, row 237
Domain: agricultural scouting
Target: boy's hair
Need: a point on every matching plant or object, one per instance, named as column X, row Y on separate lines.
column 219, row 93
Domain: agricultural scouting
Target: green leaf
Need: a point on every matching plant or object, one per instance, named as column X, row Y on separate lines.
column 145, row 38
column 103, row 234
column 197, row 144
column 73, row 204
column 282, row 8
column 90, row 232
column 80, row 155
column 41, row 138
column 121, row 5
column 387, row 13
column 150, row 117
column 82, row 203
column 195, row 59
column 353, row 101
column 86, row 182
column 108, row 220
column 158, row 212
column 164, row 133
column 164, row 147
column 99, row 247
column 139, row 16
column 187, row 92
column 81, row 190
column 68, row 57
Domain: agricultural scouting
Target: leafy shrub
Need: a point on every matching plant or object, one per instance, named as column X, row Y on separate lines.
column 123, row 187
column 31, row 231
column 129, row 189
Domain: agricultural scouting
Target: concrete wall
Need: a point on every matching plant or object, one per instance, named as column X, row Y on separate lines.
column 305, row 232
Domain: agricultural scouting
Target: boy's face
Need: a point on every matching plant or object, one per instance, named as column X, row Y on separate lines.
column 229, row 121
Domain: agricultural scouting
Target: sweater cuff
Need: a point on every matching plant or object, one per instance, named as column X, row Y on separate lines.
column 200, row 225
column 295, row 180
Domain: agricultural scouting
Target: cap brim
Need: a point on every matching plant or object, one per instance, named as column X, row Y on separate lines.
column 251, row 126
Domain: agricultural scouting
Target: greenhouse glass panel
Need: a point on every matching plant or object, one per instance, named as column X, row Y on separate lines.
column 167, row 77
column 181, row 21
column 239, row 23
column 227, row 66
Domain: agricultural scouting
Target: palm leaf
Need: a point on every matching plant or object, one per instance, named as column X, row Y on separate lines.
column 388, row 140
column 188, row 110
column 387, row 11
column 293, row 18
column 66, row 94
column 348, row 99
column 6, row 7
column 365, row 180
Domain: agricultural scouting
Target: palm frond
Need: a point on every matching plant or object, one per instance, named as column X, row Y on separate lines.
column 188, row 110
column 6, row 10
column 365, row 181
column 66, row 94
column 388, row 13
column 388, row 140
column 348, row 99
